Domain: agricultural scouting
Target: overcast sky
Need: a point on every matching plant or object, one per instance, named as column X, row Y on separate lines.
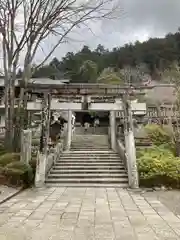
column 140, row 20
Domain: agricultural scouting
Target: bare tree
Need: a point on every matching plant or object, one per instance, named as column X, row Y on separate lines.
column 110, row 76
column 172, row 75
column 136, row 75
column 25, row 24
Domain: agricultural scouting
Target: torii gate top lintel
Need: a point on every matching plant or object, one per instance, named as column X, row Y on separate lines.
column 87, row 89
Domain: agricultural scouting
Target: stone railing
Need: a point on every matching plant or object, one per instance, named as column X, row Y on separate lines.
column 53, row 156
column 122, row 152
column 127, row 152
column 45, row 162
column 26, row 144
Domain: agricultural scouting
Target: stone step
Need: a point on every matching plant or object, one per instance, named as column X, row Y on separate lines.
column 87, row 185
column 87, row 175
column 90, row 144
column 89, row 148
column 88, row 153
column 91, row 158
column 87, row 139
column 80, row 171
column 90, row 135
column 90, row 162
column 88, row 180
column 88, row 167
column 92, row 140
column 86, row 164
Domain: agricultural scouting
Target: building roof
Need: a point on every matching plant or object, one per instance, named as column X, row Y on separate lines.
column 43, row 81
column 48, row 81
column 164, row 93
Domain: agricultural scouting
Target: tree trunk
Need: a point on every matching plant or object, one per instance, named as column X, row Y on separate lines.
column 7, row 132
column 22, row 114
column 9, row 112
column 19, row 120
column 45, row 122
column 177, row 148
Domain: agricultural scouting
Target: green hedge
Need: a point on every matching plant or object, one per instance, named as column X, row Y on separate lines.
column 19, row 173
column 15, row 171
column 9, row 158
column 158, row 134
column 2, row 149
column 157, row 166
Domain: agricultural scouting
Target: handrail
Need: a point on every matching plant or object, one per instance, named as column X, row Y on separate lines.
column 122, row 152
column 53, row 157
column 45, row 162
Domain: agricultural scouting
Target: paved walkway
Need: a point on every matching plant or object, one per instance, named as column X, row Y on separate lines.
column 81, row 214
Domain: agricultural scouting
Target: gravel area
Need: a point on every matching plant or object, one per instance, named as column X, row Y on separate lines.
column 171, row 199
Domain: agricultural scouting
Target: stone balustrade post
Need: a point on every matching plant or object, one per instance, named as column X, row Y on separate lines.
column 40, row 170
column 26, row 144
column 69, row 130
column 113, row 130
column 131, row 157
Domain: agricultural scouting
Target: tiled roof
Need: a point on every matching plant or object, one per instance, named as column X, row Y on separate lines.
column 161, row 93
column 40, row 81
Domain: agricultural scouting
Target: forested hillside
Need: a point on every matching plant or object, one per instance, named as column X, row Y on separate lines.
column 155, row 55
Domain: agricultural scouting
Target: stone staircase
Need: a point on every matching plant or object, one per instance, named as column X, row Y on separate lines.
column 92, row 131
column 89, row 163
column 90, row 142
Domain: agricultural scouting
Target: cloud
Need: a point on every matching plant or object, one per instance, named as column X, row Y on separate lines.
column 138, row 20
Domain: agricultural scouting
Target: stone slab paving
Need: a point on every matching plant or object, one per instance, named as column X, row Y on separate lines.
column 7, row 192
column 86, row 213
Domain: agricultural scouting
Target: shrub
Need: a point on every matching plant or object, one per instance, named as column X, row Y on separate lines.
column 157, row 167
column 157, row 134
column 2, row 149
column 8, row 158
column 19, row 173
column 2, row 152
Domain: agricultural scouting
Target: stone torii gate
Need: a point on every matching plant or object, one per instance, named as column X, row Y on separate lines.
column 78, row 97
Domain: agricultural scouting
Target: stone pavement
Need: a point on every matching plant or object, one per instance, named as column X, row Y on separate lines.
column 7, row 192
column 86, row 213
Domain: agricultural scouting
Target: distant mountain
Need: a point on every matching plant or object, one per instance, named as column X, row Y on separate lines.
column 156, row 54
